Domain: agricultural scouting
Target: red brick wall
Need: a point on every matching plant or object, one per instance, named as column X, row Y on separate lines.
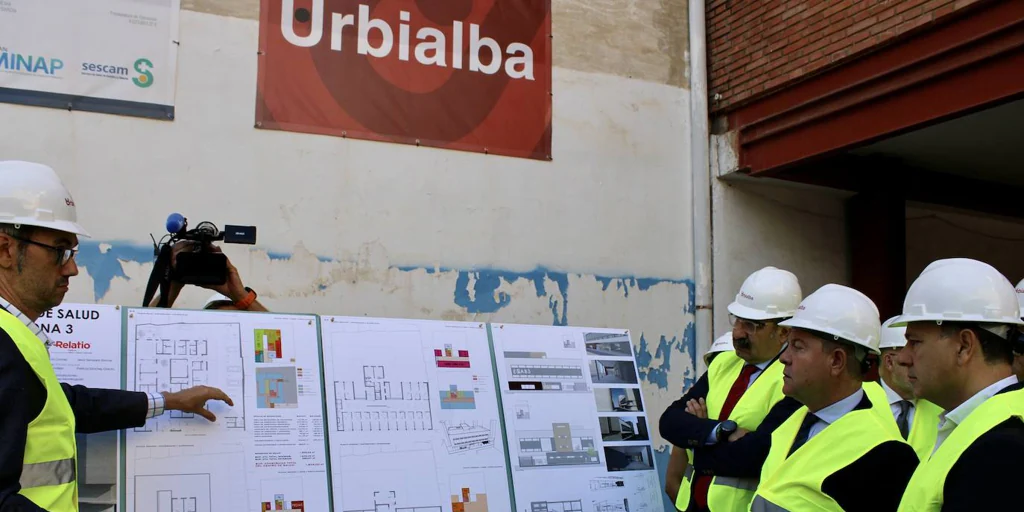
column 758, row 45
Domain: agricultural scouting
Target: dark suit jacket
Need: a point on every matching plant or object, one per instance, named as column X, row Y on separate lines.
column 22, row 396
column 888, row 467
column 742, row 458
column 987, row 474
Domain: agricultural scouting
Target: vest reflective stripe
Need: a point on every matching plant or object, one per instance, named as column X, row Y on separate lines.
column 762, row 505
column 924, row 492
column 683, row 496
column 728, row 494
column 925, row 428
column 794, row 482
column 746, row 484
column 55, row 472
column 50, row 460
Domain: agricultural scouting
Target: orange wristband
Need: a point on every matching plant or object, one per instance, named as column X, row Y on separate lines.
column 247, row 301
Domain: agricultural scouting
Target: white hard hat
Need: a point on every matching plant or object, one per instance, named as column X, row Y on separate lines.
column 767, row 294
column 722, row 344
column 1020, row 297
column 32, row 194
column 216, row 298
column 961, row 290
column 842, row 312
column 893, row 337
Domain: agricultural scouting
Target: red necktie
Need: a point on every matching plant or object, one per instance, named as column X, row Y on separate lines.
column 738, row 387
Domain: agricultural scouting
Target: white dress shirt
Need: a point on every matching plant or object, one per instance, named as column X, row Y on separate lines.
column 831, row 414
column 894, row 403
column 949, row 420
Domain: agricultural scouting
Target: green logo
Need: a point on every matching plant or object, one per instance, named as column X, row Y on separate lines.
column 145, row 78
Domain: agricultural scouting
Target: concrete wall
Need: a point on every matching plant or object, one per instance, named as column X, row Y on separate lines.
column 761, row 222
column 601, row 236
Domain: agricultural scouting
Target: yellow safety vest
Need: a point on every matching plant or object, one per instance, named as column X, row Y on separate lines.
column 729, row 493
column 925, row 428
column 924, row 492
column 50, row 462
column 793, row 483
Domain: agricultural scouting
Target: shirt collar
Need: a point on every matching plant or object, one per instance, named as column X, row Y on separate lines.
column 38, row 331
column 962, row 411
column 837, row 410
column 891, row 394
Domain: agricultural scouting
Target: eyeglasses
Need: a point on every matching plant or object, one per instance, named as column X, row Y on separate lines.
column 63, row 254
column 748, row 325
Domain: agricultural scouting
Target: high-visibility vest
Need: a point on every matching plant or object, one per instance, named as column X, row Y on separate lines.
column 793, row 483
column 925, row 428
column 48, row 472
column 729, row 493
column 924, row 492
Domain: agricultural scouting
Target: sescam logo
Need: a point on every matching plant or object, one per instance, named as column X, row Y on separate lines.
column 142, row 66
column 105, row 70
column 429, row 49
column 29, row 64
column 145, row 78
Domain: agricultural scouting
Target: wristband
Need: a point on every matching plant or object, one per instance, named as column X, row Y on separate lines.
column 247, row 301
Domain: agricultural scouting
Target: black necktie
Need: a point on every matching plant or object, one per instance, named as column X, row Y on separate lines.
column 804, row 432
column 903, row 421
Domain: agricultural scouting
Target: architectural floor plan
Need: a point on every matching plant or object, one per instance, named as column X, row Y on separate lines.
column 266, row 451
column 414, row 405
column 172, row 357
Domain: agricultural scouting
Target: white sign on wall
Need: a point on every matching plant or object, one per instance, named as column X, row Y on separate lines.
column 114, row 56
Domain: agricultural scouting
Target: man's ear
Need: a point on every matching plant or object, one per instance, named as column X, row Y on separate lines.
column 783, row 333
column 967, row 346
column 839, row 361
column 8, row 252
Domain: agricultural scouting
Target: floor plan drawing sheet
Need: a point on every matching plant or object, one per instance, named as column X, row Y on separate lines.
column 266, row 452
column 569, row 450
column 86, row 350
column 413, row 417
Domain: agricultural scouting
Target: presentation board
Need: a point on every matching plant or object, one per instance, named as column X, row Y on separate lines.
column 357, row 414
column 577, row 431
column 416, row 423
column 270, row 443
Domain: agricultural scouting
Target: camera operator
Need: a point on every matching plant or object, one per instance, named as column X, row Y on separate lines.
column 232, row 295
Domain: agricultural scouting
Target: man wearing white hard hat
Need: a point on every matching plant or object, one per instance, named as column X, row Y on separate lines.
column 916, row 419
column 841, row 450
column 741, row 392
column 39, row 416
column 1018, row 349
column 961, row 316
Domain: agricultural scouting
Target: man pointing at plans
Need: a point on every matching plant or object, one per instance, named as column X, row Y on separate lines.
column 38, row 456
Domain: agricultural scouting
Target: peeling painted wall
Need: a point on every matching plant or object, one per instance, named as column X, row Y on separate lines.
column 599, row 237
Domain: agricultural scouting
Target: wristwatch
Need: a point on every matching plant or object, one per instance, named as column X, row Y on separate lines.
column 726, row 429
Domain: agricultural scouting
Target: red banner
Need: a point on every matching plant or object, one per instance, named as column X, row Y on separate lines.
column 472, row 75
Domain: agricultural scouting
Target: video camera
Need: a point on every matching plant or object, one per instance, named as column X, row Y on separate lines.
column 199, row 266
